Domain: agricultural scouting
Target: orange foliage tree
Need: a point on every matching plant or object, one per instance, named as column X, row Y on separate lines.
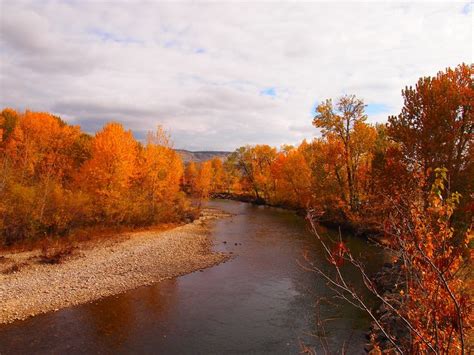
column 190, row 176
column 435, row 126
column 254, row 165
column 159, row 172
column 437, row 304
column 54, row 178
column 107, row 176
column 435, row 129
column 342, row 121
column 37, row 168
column 217, row 180
column 293, row 179
column 202, row 187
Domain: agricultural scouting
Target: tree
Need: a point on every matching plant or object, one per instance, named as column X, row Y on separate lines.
column 8, row 121
column 244, row 162
column 262, row 159
column 217, row 175
column 341, row 120
column 190, row 176
column 293, row 178
column 364, row 138
column 232, row 176
column 203, row 181
column 108, row 174
column 37, row 168
column 39, row 147
column 435, row 126
column 158, row 177
column 54, row 178
column 428, row 309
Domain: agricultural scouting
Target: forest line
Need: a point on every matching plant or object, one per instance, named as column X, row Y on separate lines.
column 55, row 178
column 357, row 170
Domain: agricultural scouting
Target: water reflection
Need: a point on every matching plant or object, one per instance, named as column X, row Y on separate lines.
column 261, row 301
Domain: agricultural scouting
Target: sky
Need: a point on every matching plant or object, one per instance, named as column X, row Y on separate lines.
column 219, row 75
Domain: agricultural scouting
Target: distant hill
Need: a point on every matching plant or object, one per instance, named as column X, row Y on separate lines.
column 189, row 156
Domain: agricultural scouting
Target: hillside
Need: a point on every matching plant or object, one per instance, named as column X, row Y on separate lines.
column 189, row 156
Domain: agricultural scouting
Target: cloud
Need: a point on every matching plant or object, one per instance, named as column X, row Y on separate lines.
column 26, row 31
column 220, row 75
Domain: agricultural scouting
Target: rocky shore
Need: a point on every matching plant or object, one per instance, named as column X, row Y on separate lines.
column 31, row 286
column 390, row 280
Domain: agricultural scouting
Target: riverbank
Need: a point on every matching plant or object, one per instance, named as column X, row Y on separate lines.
column 390, row 280
column 31, row 285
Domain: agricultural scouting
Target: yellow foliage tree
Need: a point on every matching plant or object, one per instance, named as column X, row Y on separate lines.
column 159, row 175
column 108, row 174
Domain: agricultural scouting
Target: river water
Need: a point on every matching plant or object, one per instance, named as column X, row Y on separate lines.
column 261, row 301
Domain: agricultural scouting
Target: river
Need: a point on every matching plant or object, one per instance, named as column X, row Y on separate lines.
column 260, row 301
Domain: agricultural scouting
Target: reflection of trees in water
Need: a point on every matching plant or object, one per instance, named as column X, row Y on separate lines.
column 116, row 320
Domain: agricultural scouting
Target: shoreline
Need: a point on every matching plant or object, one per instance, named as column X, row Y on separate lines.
column 88, row 274
column 361, row 229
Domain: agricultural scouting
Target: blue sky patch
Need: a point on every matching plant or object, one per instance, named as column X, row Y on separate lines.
column 314, row 107
column 466, row 9
column 375, row 109
column 269, row 92
column 111, row 37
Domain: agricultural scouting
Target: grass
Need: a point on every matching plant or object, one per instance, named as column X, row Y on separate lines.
column 82, row 237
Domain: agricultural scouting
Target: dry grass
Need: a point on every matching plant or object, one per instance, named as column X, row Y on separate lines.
column 85, row 237
column 15, row 267
column 56, row 256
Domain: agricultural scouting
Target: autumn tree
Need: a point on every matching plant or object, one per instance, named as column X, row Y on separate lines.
column 40, row 146
column 158, row 177
column 427, row 309
column 202, row 187
column 232, row 175
column 108, row 174
column 434, row 297
column 293, row 178
column 38, row 166
column 55, row 179
column 341, row 120
column 255, row 166
column 263, row 157
column 244, row 162
column 217, row 184
column 8, row 121
column 436, row 291
column 190, row 176
column 363, row 146
column 331, row 181
column 435, row 126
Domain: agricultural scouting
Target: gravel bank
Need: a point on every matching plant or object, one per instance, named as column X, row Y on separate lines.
column 141, row 258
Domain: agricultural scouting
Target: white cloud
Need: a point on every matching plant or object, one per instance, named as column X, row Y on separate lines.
column 200, row 68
